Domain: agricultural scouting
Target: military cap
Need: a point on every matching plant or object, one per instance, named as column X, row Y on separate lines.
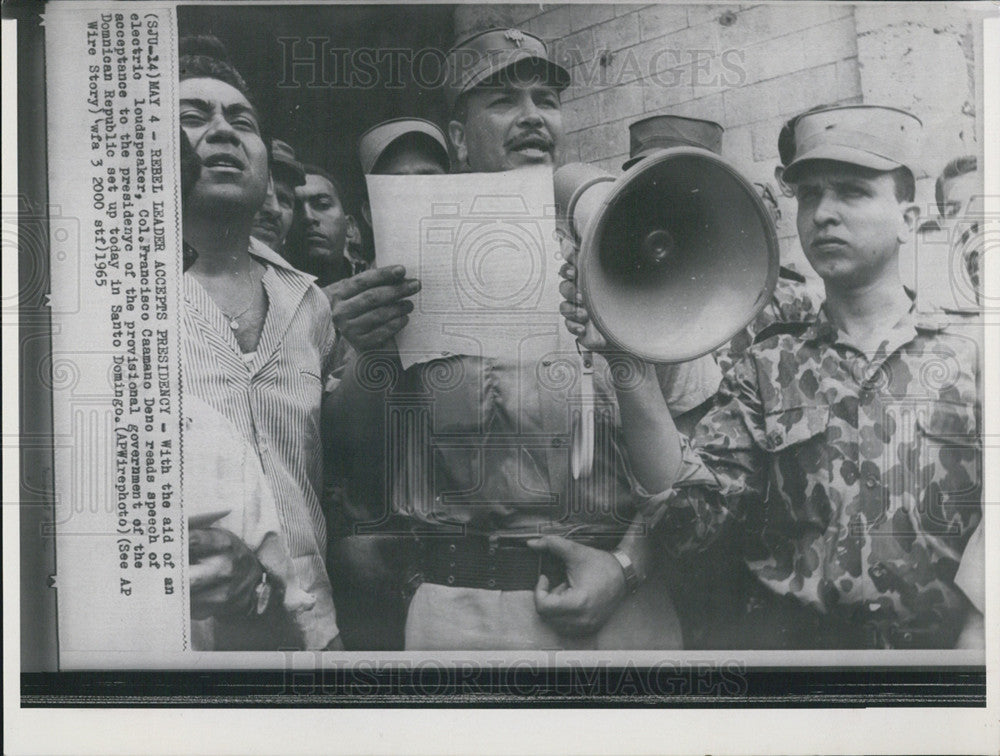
column 378, row 138
column 872, row 136
column 477, row 58
column 283, row 156
column 786, row 137
column 665, row 131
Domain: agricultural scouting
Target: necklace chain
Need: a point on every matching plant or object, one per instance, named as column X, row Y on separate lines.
column 234, row 322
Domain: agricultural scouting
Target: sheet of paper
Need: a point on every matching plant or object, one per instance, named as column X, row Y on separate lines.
column 485, row 249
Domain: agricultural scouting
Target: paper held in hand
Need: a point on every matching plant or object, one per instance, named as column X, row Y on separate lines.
column 488, row 262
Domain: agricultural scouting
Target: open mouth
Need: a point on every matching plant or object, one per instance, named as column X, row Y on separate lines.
column 532, row 146
column 224, row 160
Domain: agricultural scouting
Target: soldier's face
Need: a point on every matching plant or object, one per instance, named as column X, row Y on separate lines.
column 850, row 222
column 324, row 224
column 274, row 219
column 508, row 126
column 962, row 197
column 224, row 132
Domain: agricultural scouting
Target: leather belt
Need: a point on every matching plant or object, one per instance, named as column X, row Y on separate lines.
column 497, row 563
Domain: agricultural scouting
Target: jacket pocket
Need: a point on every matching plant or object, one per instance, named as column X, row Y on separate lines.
column 949, row 423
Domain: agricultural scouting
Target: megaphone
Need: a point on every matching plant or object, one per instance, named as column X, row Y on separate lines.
column 676, row 257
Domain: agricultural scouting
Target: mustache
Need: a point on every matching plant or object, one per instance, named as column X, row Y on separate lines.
column 536, row 139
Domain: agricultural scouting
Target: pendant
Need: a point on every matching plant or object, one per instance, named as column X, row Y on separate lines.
column 234, row 324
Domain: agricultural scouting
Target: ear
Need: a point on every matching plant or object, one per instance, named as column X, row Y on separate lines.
column 366, row 212
column 908, row 220
column 353, row 232
column 456, row 135
column 779, row 177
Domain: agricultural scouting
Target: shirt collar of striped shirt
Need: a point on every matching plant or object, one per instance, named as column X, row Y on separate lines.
column 261, row 250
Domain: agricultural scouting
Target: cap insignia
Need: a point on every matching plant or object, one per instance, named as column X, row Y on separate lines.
column 514, row 35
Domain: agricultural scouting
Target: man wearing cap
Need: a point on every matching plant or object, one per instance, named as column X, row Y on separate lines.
column 367, row 569
column 274, row 219
column 402, row 147
column 510, row 544
column 846, row 449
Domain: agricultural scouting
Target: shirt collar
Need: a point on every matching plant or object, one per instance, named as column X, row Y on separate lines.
column 824, row 330
column 264, row 252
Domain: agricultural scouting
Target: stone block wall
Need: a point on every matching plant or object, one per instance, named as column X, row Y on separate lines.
column 751, row 67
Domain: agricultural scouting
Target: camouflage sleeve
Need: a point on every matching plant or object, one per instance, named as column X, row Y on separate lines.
column 723, row 469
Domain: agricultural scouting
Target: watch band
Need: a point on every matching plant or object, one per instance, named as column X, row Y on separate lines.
column 632, row 579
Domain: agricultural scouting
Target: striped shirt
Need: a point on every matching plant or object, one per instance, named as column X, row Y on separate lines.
column 273, row 399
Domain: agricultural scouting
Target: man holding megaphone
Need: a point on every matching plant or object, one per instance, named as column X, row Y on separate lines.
column 845, row 448
column 514, row 551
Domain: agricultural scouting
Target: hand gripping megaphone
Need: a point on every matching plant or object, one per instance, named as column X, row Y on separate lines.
column 676, row 256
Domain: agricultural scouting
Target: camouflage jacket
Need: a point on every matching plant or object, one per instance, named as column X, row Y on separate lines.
column 856, row 478
column 790, row 303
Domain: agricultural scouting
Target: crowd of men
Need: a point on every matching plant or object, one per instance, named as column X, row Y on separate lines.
column 815, row 483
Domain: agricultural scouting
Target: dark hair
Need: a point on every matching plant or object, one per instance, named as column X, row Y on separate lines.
column 310, row 169
column 460, row 110
column 906, row 187
column 204, row 56
column 955, row 168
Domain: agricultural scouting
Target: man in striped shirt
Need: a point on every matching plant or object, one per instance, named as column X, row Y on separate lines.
column 257, row 341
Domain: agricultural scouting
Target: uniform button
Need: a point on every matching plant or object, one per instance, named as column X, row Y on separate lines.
column 451, row 548
column 492, row 550
column 451, row 579
column 557, row 442
column 491, row 583
column 871, row 482
column 451, row 564
column 907, row 637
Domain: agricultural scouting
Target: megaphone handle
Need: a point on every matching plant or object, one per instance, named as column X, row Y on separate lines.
column 582, row 451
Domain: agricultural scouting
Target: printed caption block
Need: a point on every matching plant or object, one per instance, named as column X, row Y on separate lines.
column 116, row 271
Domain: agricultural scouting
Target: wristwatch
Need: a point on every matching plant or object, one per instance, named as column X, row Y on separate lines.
column 632, row 579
